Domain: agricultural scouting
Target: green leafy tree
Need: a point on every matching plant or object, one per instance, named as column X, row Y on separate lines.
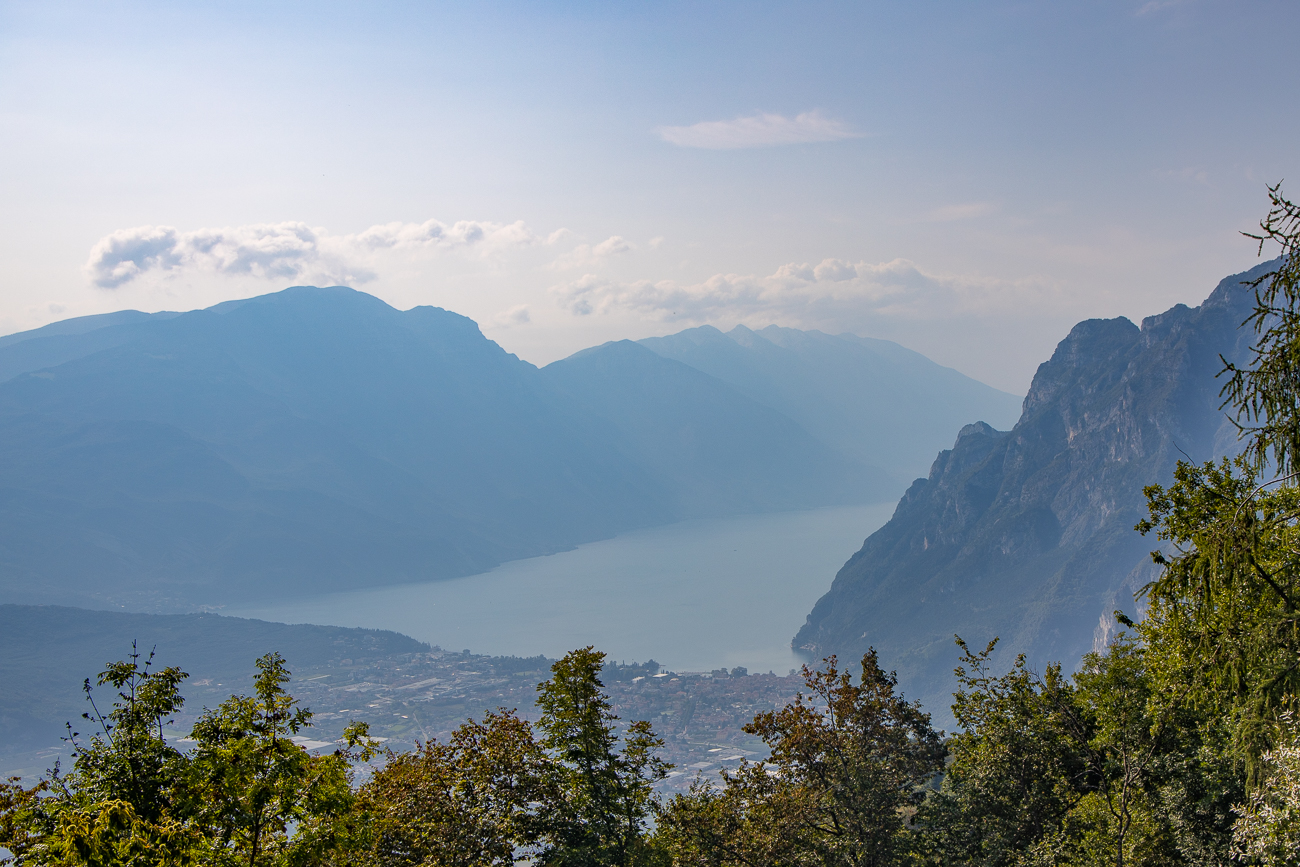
column 1230, row 587
column 21, row 818
column 463, row 803
column 602, row 796
column 128, row 757
column 1266, row 392
column 1114, row 768
column 1267, row 830
column 849, row 762
column 756, row 819
column 120, row 802
column 1120, row 821
column 110, row 833
column 246, row 795
column 250, row 785
column 1227, row 597
column 1018, row 766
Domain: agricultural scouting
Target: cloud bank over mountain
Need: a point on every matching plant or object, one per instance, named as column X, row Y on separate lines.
column 831, row 290
column 284, row 251
column 550, row 291
column 796, row 293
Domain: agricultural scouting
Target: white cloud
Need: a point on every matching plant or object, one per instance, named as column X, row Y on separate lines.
column 283, row 251
column 517, row 315
column 832, row 292
column 586, row 254
column 432, row 233
column 611, row 246
column 760, row 130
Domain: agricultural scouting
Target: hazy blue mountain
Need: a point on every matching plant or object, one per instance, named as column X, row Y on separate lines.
column 47, row 651
column 1028, row 534
column 317, row 439
column 71, row 339
column 874, row 400
column 720, row 451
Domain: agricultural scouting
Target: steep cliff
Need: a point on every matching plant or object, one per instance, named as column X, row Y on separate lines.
column 1028, row 534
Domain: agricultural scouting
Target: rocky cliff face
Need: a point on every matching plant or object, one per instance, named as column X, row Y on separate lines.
column 1028, row 534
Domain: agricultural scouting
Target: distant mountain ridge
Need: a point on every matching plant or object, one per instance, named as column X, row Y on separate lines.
column 874, row 400
column 702, row 435
column 308, row 440
column 1028, row 534
column 317, row 439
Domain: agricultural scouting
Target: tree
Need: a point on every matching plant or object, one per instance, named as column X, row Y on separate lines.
column 246, row 795
column 1266, row 393
column 848, row 762
column 755, row 819
column 120, row 802
column 21, row 822
column 1267, row 830
column 601, row 797
column 1018, row 766
column 1228, row 594
column 249, row 784
column 464, row 803
column 1126, row 733
column 128, row 758
column 1230, row 588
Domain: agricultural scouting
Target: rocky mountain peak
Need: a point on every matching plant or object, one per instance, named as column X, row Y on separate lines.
column 1028, row 535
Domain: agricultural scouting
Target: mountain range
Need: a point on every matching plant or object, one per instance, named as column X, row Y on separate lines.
column 874, row 400
column 318, row 439
column 1027, row 535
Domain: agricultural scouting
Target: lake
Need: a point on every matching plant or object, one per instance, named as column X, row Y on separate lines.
column 694, row 596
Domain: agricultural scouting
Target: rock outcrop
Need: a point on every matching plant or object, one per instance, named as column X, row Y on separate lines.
column 1028, row 535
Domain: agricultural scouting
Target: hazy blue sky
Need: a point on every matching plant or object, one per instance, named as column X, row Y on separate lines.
column 966, row 178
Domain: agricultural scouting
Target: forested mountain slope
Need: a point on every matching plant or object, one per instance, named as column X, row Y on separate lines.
column 1028, row 534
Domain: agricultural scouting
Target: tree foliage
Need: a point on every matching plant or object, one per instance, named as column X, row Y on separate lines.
column 246, row 793
column 1265, row 393
column 1016, row 770
column 604, row 795
column 1267, row 830
column 465, row 802
column 849, row 762
column 249, row 784
column 1228, row 593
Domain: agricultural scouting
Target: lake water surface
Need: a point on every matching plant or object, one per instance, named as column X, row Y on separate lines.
column 694, row 596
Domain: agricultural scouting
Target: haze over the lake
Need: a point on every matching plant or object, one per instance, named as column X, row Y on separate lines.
column 693, row 596
column 967, row 179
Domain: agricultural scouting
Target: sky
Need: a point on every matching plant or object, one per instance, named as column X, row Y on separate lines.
column 968, row 179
